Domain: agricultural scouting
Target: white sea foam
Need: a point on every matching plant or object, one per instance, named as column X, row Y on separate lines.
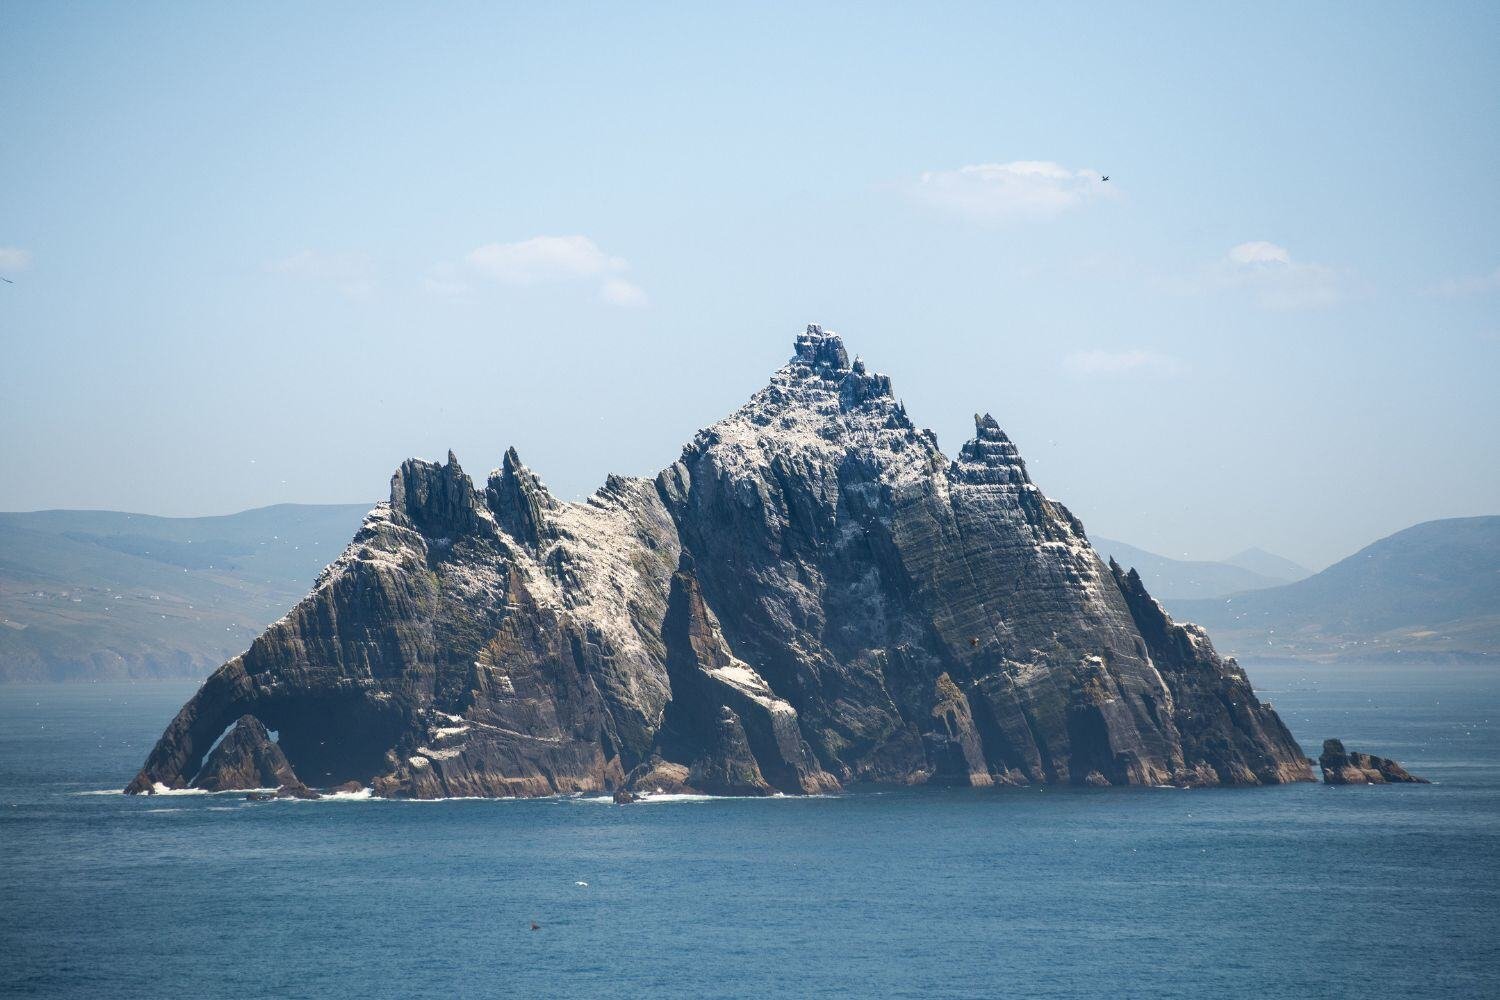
column 368, row 795
column 164, row 790
column 666, row 797
column 465, row 798
column 363, row 795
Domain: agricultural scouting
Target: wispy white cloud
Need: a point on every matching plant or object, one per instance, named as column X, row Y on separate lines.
column 1259, row 252
column 540, row 260
column 1096, row 364
column 448, row 280
column 543, row 258
column 1036, row 189
column 14, row 259
column 1473, row 284
column 619, row 292
column 352, row 274
column 1273, row 277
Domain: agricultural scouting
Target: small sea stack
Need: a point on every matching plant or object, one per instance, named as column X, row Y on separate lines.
column 1345, row 767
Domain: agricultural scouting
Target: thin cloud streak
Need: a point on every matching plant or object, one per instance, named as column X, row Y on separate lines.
column 352, row 274
column 1473, row 284
column 1020, row 189
column 13, row 259
column 537, row 261
column 1272, row 277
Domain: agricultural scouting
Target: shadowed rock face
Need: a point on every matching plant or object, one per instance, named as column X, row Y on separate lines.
column 246, row 758
column 1345, row 767
column 811, row 595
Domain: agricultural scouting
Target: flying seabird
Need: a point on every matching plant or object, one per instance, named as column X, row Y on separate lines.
column 1104, row 178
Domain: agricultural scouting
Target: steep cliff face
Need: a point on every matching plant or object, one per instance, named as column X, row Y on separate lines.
column 811, row 595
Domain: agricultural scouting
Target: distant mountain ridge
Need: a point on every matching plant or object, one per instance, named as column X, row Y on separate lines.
column 86, row 595
column 1269, row 564
column 1178, row 579
column 1431, row 591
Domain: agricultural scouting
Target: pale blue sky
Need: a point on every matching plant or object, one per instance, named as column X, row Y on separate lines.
column 264, row 253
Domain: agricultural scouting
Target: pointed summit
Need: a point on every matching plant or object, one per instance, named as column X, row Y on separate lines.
column 990, row 456
column 988, row 428
column 821, row 350
column 519, row 501
column 433, row 495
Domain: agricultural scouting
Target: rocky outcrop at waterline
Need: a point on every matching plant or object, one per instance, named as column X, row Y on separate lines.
column 1345, row 767
column 811, row 595
column 246, row 758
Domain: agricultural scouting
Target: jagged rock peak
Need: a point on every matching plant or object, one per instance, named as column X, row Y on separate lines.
column 520, row 501
column 437, row 498
column 990, row 456
column 819, row 408
column 812, row 595
column 821, row 349
column 823, row 353
column 987, row 428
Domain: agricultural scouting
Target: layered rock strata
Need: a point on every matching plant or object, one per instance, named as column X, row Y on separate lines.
column 811, row 595
column 246, row 758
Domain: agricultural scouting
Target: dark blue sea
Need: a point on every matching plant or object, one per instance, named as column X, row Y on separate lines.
column 1306, row 891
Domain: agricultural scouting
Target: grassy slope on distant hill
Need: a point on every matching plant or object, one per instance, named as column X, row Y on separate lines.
column 1430, row 591
column 93, row 594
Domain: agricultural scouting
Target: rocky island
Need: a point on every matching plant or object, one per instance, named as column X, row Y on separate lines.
column 813, row 594
column 1346, row 767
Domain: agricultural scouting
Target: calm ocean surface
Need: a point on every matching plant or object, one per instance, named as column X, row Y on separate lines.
column 1305, row 891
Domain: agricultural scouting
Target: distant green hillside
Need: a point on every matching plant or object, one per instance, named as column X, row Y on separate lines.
column 94, row 594
column 1429, row 592
column 86, row 595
